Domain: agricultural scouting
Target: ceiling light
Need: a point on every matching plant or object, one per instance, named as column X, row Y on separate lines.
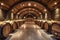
column 24, row 17
column 39, row 13
column 35, row 5
column 34, row 17
column 18, row 13
column 23, row 4
column 55, row 3
column 12, row 10
column 29, row 4
column 45, row 10
column 2, row 3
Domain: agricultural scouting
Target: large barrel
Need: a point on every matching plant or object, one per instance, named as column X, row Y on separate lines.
column 46, row 25
column 14, row 26
column 5, row 30
column 56, row 30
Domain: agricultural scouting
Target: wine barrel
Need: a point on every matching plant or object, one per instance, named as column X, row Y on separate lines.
column 14, row 26
column 56, row 30
column 5, row 30
column 18, row 24
column 42, row 23
column 46, row 25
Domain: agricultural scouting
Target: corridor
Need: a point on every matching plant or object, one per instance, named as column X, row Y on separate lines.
column 29, row 19
column 29, row 31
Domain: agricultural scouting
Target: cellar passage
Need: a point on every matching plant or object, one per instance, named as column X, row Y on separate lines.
column 29, row 19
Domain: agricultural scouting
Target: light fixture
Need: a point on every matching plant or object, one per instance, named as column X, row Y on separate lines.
column 55, row 3
column 12, row 10
column 23, row 4
column 39, row 13
column 18, row 13
column 45, row 10
column 35, row 5
column 29, row 4
column 2, row 3
column 34, row 17
column 24, row 17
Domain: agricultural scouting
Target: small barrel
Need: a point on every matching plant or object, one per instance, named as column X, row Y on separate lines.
column 14, row 26
column 5, row 30
column 56, row 30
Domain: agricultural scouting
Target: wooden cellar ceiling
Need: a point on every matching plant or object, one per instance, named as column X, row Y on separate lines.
column 51, row 4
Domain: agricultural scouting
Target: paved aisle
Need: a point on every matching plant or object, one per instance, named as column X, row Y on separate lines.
column 30, row 31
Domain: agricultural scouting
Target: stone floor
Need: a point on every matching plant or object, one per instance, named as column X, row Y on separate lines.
column 29, row 31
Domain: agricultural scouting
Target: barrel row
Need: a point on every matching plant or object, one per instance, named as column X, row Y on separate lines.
column 8, row 28
column 53, row 28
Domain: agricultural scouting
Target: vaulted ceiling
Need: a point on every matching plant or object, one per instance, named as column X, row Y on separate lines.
column 16, row 6
column 6, row 4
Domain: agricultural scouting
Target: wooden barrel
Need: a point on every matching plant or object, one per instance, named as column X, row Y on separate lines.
column 56, row 30
column 6, row 30
column 46, row 25
column 14, row 26
column 42, row 23
column 18, row 24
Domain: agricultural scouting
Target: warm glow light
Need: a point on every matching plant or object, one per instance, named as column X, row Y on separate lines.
column 18, row 13
column 23, row 4
column 12, row 15
column 34, row 17
column 35, row 5
column 2, row 3
column 12, row 10
column 1, row 14
column 57, row 13
column 24, row 17
column 39, row 13
column 45, row 16
column 29, row 4
column 55, row 3
column 45, row 10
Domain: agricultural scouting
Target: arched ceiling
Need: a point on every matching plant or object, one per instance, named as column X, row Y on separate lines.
column 29, row 5
column 7, row 4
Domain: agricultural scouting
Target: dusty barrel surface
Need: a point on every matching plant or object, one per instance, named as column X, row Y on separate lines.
column 5, row 30
column 56, row 30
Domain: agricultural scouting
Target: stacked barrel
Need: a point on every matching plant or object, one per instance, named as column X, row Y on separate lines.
column 50, row 27
column 5, row 30
column 56, row 30
column 9, row 27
